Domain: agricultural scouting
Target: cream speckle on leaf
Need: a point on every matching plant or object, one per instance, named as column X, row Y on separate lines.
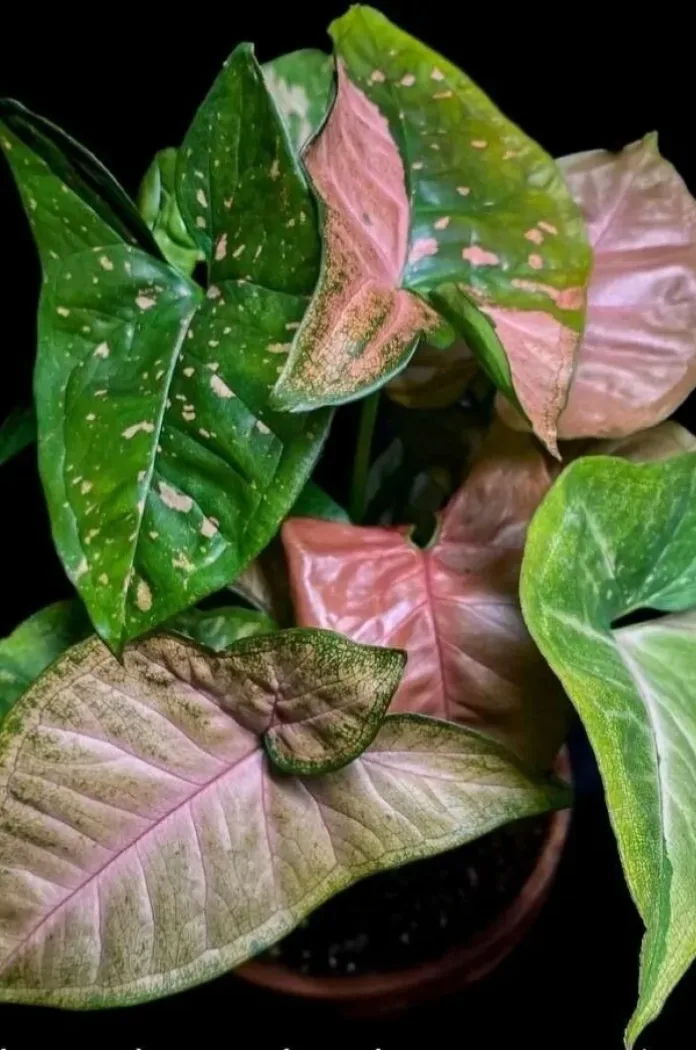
column 143, row 596
column 220, row 387
column 144, row 427
column 174, row 499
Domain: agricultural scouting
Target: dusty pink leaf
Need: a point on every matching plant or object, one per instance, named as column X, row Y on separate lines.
column 264, row 584
column 146, row 843
column 452, row 607
column 360, row 327
column 434, row 378
column 659, row 442
column 637, row 359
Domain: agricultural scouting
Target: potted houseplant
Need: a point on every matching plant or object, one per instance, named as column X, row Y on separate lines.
column 259, row 698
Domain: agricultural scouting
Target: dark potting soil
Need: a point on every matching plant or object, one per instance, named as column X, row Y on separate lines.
column 415, row 913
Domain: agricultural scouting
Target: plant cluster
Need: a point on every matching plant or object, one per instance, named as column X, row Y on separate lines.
column 181, row 783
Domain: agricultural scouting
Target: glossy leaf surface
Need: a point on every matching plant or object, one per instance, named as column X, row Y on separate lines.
column 138, row 807
column 613, row 537
column 494, row 237
column 35, row 644
column 164, row 468
column 452, row 607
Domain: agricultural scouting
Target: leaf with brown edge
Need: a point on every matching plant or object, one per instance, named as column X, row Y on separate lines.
column 148, row 844
column 360, row 327
column 453, row 606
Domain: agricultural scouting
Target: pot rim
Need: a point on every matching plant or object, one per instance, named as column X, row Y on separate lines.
column 478, row 955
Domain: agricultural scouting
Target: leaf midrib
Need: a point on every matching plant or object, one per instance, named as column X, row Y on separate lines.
column 93, row 876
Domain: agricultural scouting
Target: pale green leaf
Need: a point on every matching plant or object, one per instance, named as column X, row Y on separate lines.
column 613, row 537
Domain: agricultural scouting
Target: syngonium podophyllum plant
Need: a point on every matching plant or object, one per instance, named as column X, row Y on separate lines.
column 364, row 689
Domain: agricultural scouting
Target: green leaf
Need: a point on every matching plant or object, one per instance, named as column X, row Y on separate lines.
column 613, row 537
column 160, row 210
column 35, row 644
column 495, row 240
column 313, row 502
column 241, row 190
column 218, row 629
column 95, row 210
column 301, row 84
column 17, row 432
column 138, row 809
column 164, row 469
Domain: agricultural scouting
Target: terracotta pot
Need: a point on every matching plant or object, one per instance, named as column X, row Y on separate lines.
column 375, row 994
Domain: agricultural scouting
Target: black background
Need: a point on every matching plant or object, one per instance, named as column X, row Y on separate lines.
column 127, row 82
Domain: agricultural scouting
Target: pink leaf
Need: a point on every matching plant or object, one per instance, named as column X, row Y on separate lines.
column 453, row 607
column 146, row 843
column 637, row 360
column 360, row 327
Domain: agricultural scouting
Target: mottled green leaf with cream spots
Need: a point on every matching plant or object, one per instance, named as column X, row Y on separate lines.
column 148, row 844
column 164, row 468
column 241, row 189
column 301, row 84
column 35, row 644
column 613, row 537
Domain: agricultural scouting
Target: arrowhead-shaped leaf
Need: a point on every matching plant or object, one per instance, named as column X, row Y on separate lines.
column 610, row 538
column 301, row 84
column 35, row 644
column 452, row 607
column 480, row 222
column 146, row 842
column 17, row 432
column 164, row 468
column 637, row 359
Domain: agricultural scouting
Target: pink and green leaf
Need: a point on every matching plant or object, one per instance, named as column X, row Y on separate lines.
column 511, row 279
column 453, row 607
column 360, row 327
column 138, row 807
